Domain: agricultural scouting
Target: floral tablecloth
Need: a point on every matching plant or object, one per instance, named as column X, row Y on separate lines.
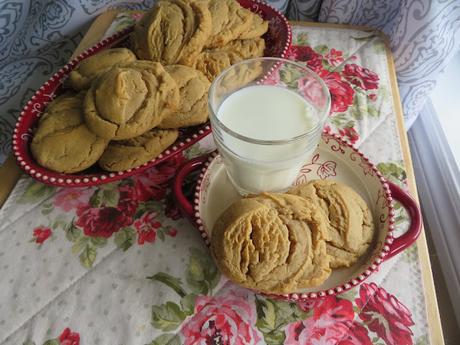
column 117, row 264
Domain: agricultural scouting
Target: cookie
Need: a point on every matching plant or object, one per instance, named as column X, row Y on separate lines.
column 62, row 103
column 87, row 70
column 131, row 153
column 272, row 243
column 241, row 75
column 246, row 49
column 62, row 141
column 350, row 228
column 257, row 29
column 130, row 99
column 173, row 32
column 219, row 11
column 213, row 62
column 237, row 21
column 193, row 90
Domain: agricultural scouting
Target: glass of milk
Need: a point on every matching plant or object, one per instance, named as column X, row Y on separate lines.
column 267, row 116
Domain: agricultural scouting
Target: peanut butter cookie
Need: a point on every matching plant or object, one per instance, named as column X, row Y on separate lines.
column 272, row 243
column 246, row 49
column 193, row 90
column 130, row 99
column 130, row 153
column 258, row 28
column 229, row 27
column 213, row 62
column 82, row 76
column 62, row 141
column 350, row 228
column 173, row 32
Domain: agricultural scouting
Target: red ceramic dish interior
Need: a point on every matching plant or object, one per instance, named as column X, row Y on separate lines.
column 278, row 42
column 388, row 247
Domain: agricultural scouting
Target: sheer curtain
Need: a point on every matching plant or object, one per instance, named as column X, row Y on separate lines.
column 38, row 36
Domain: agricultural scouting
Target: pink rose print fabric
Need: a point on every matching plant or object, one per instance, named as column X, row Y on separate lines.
column 385, row 315
column 361, row 77
column 227, row 319
column 103, row 221
column 68, row 199
column 347, row 82
column 341, row 92
column 69, row 337
column 41, row 234
column 331, row 324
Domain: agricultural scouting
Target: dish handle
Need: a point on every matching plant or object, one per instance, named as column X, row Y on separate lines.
column 192, row 165
column 415, row 228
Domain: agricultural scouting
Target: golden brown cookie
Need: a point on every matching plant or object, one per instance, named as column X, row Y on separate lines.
column 241, row 75
column 62, row 141
column 230, row 26
column 257, row 29
column 87, row 70
column 350, row 226
column 213, row 62
column 193, row 90
column 219, row 11
column 62, row 103
column 272, row 243
column 246, row 49
column 174, row 31
column 131, row 153
column 130, row 99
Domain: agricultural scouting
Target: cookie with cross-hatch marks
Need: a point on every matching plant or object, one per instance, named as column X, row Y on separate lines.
column 350, row 228
column 273, row 243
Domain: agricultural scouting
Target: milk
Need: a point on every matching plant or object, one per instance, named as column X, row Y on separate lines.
column 265, row 112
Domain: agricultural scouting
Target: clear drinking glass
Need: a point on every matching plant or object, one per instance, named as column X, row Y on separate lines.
column 267, row 116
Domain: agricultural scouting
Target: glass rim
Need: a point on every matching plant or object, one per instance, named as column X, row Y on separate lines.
column 213, row 113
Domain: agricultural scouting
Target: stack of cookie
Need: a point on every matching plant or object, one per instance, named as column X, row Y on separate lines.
column 283, row 243
column 126, row 107
column 207, row 35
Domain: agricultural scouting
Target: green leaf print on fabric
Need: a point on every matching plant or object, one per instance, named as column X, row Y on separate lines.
column 167, row 317
column 47, row 208
column 166, row 339
column 188, row 303
column 410, row 255
column 321, row 49
column 52, row 342
column 364, row 38
column 105, row 197
column 202, row 274
column 35, row 192
column 88, row 256
column 290, row 76
column 393, row 171
column 79, row 244
column 423, row 340
column 125, row 238
column 148, row 206
column 195, row 150
column 173, row 282
column 301, row 39
column 28, row 342
column 273, row 316
column 98, row 241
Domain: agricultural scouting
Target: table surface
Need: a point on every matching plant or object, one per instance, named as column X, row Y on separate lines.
column 63, row 278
